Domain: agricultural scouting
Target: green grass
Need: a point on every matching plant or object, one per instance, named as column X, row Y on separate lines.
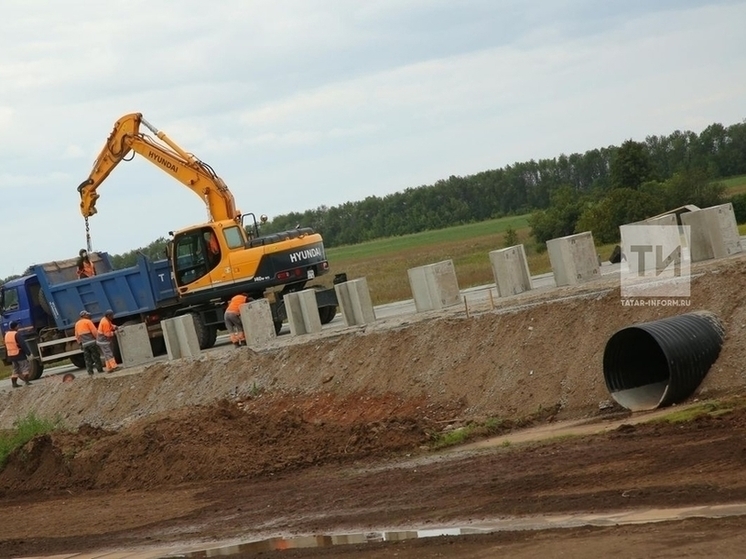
column 383, row 247
column 385, row 262
column 23, row 431
column 713, row 409
column 734, row 185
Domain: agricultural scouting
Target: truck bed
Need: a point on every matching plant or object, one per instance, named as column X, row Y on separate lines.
column 131, row 291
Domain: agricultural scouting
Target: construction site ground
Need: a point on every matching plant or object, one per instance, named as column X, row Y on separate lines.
column 338, row 433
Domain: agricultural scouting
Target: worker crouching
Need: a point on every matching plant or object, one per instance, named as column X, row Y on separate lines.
column 105, row 338
column 232, row 319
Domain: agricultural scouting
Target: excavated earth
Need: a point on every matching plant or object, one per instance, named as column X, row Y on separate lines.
column 341, row 432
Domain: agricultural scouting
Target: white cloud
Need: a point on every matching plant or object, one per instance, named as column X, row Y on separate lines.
column 298, row 103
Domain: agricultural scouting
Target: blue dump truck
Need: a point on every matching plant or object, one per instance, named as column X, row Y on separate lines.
column 46, row 302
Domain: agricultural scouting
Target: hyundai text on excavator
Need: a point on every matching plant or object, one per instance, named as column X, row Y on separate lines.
column 206, row 265
column 239, row 261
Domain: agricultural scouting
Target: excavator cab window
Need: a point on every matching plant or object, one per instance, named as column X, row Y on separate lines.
column 193, row 257
column 233, row 237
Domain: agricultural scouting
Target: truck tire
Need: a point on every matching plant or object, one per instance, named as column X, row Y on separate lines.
column 327, row 314
column 36, row 368
column 44, row 304
column 213, row 336
column 158, row 346
column 78, row 361
column 203, row 331
column 278, row 326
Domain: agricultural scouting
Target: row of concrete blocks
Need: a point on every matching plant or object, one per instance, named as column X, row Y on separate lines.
column 181, row 339
column 712, row 233
column 706, row 233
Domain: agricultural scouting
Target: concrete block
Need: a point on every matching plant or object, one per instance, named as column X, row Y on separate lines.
column 510, row 269
column 667, row 219
column 181, row 337
column 713, row 232
column 303, row 312
column 134, row 345
column 574, row 259
column 354, row 302
column 258, row 324
column 434, row 286
column 649, row 236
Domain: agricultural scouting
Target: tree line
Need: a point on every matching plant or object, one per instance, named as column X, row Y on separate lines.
column 639, row 178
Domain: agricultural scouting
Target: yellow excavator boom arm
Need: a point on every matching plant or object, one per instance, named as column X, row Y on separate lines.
column 184, row 167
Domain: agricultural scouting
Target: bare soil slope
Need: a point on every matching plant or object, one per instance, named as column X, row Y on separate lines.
column 331, row 432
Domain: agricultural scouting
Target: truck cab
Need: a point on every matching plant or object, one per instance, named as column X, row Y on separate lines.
column 19, row 302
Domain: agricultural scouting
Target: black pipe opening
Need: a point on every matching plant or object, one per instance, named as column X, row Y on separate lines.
column 660, row 363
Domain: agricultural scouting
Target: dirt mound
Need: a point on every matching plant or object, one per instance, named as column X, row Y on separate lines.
column 228, row 440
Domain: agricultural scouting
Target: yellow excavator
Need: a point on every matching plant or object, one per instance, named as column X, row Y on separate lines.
column 221, row 257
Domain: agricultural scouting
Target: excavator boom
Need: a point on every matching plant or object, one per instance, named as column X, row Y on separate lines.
column 184, row 167
column 219, row 258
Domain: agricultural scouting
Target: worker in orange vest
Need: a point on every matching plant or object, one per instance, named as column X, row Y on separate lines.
column 232, row 319
column 86, row 334
column 213, row 248
column 106, row 332
column 85, row 266
column 17, row 352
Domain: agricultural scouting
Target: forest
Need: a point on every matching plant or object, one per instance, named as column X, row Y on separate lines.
column 597, row 190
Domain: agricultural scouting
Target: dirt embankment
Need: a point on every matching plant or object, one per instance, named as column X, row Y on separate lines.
column 508, row 362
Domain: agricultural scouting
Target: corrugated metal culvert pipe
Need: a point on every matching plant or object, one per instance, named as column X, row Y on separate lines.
column 656, row 364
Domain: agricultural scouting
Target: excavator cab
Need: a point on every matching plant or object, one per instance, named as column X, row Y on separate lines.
column 194, row 255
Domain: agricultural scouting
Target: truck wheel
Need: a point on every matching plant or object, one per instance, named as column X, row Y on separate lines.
column 158, row 345
column 78, row 361
column 327, row 314
column 44, row 304
column 278, row 326
column 213, row 335
column 203, row 331
column 36, row 368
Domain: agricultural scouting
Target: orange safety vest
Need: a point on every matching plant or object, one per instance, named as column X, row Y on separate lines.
column 213, row 245
column 235, row 303
column 12, row 347
column 85, row 331
column 106, row 328
column 88, row 271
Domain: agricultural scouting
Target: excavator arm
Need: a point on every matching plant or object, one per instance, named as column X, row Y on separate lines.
column 184, row 167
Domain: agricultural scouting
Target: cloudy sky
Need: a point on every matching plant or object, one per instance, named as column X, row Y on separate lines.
column 302, row 103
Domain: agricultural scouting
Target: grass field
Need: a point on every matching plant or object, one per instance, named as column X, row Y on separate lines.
column 384, row 262
column 734, row 185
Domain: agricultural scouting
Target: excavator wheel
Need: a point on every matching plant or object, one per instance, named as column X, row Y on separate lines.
column 327, row 314
column 203, row 331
